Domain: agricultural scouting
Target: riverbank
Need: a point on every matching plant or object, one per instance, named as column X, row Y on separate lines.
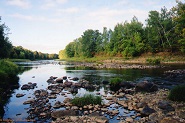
column 163, row 58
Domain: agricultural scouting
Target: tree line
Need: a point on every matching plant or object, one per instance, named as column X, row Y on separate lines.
column 164, row 31
column 7, row 50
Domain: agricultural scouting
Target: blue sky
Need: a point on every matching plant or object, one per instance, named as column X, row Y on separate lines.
column 49, row 25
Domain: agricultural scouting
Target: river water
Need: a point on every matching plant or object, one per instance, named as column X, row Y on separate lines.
column 40, row 71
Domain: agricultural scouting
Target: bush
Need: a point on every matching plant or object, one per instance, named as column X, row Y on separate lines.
column 8, row 67
column 86, row 100
column 115, row 81
column 8, row 72
column 153, row 61
column 177, row 93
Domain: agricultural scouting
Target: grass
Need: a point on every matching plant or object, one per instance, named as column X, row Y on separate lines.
column 115, row 81
column 87, row 99
column 177, row 93
column 19, row 60
column 153, row 60
column 162, row 57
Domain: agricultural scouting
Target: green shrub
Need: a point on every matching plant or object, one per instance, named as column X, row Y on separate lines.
column 153, row 61
column 115, row 81
column 177, row 93
column 86, row 100
column 8, row 67
column 8, row 73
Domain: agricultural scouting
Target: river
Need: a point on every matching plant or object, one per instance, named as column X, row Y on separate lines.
column 40, row 71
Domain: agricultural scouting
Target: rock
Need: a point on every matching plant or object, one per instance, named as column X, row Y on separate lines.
column 29, row 101
column 169, row 120
column 73, row 89
column 25, row 87
column 43, row 114
column 105, row 82
column 129, row 119
column 89, row 86
column 146, row 87
column 75, row 79
column 126, row 85
column 64, row 77
column 74, row 118
column 19, row 95
column 101, row 119
column 50, row 80
column 52, row 96
column 57, row 104
column 67, row 84
column 78, row 84
column 114, row 112
column 141, row 104
column 165, row 106
column 181, row 114
column 28, row 86
column 109, row 98
column 104, row 109
column 147, row 111
column 86, row 112
column 63, row 113
column 59, row 80
column 67, row 100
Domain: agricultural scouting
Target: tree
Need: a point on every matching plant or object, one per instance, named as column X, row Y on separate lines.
column 160, row 31
column 70, row 51
column 90, row 40
column 179, row 18
column 5, row 44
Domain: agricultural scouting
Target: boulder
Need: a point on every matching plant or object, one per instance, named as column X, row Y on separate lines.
column 67, row 84
column 59, row 80
column 105, row 82
column 165, row 106
column 25, row 87
column 63, row 113
column 75, row 79
column 19, row 95
column 126, row 85
column 146, row 87
column 89, row 86
column 50, row 80
column 169, row 120
column 57, row 104
column 29, row 101
column 73, row 89
column 147, row 111
column 64, row 77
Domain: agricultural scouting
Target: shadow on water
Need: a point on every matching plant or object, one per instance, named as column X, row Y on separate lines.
column 6, row 90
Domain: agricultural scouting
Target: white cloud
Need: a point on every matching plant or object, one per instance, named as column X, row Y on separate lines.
column 69, row 10
column 47, row 4
column 19, row 3
column 38, row 18
column 27, row 17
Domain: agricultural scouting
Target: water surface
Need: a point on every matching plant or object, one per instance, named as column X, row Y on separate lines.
column 39, row 71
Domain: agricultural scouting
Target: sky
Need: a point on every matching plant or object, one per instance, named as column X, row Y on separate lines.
column 49, row 25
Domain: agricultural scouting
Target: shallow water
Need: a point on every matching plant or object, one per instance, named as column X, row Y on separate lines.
column 40, row 71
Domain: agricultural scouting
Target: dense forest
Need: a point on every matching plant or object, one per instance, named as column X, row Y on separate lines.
column 7, row 50
column 164, row 31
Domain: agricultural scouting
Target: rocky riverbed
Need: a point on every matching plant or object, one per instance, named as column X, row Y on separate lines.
column 115, row 65
column 126, row 105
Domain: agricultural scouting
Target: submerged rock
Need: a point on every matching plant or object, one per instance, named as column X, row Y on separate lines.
column 147, row 111
column 19, row 95
column 63, row 113
column 146, row 87
column 165, row 106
